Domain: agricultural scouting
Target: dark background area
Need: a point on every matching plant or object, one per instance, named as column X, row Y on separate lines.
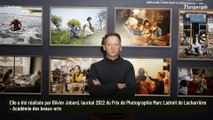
column 83, row 113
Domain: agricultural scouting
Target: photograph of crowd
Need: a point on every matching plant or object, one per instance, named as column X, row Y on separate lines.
column 69, row 75
column 20, row 25
column 20, row 74
column 144, row 27
column 77, row 26
column 195, row 82
column 195, row 35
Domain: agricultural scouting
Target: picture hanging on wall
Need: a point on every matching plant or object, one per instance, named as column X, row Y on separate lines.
column 20, row 25
column 144, row 27
column 20, row 74
column 152, row 75
column 195, row 35
column 195, row 82
column 77, row 26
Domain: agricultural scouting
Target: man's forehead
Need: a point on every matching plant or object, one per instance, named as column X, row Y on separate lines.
column 112, row 39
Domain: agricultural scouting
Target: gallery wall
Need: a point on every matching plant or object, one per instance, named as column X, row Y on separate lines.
column 46, row 50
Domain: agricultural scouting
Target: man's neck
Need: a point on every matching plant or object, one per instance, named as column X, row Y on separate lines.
column 112, row 58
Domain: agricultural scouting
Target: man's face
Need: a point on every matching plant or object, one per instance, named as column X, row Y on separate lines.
column 112, row 47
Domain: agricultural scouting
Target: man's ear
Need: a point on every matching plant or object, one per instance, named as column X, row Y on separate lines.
column 121, row 49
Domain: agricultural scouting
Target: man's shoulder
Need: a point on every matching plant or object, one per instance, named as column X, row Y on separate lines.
column 127, row 62
column 97, row 63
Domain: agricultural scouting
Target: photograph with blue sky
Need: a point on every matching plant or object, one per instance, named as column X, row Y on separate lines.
column 77, row 25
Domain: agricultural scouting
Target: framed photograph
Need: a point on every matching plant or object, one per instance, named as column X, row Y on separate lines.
column 77, row 26
column 195, row 35
column 65, row 79
column 152, row 75
column 195, row 82
column 144, row 27
column 20, row 25
column 20, row 74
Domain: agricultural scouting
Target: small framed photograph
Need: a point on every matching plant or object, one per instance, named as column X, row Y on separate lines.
column 152, row 75
column 20, row 74
column 77, row 26
column 144, row 27
column 20, row 25
column 195, row 35
column 195, row 82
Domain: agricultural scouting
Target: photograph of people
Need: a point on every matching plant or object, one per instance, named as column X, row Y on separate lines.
column 16, row 25
column 143, row 27
column 112, row 76
column 196, row 44
column 152, row 76
column 21, row 75
column 195, row 81
column 20, row 25
column 7, row 77
column 77, row 75
column 78, row 26
column 88, row 27
column 69, row 75
column 195, row 35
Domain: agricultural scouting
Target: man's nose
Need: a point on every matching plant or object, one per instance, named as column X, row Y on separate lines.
column 112, row 46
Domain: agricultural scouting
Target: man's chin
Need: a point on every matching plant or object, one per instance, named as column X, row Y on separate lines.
column 113, row 56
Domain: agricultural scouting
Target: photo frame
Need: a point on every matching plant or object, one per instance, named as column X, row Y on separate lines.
column 195, row 26
column 152, row 76
column 143, row 27
column 21, row 74
column 61, row 77
column 195, row 82
column 21, row 25
column 77, row 26
column 62, row 80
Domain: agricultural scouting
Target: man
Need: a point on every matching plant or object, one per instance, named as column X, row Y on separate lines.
column 112, row 76
column 16, row 24
column 196, row 45
column 7, row 77
column 74, row 31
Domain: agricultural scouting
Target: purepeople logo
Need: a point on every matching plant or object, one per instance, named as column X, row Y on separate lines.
column 192, row 7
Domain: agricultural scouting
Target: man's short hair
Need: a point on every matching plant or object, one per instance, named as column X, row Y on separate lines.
column 109, row 35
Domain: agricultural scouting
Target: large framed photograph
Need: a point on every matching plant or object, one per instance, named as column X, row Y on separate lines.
column 195, row 82
column 144, row 27
column 69, row 75
column 20, row 74
column 77, row 26
column 195, row 35
column 20, row 25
